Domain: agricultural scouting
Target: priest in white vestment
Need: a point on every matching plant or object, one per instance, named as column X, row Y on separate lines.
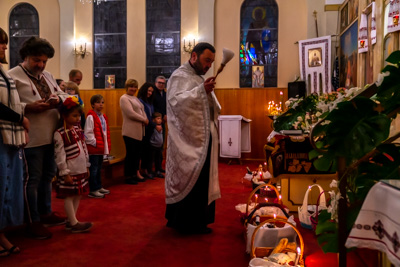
column 191, row 182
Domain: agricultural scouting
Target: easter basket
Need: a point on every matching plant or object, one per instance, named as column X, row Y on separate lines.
column 284, row 251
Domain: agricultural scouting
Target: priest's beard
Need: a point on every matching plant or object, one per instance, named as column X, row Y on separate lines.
column 198, row 67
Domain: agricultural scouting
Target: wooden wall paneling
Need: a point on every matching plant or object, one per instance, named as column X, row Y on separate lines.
column 252, row 104
column 111, row 103
column 248, row 102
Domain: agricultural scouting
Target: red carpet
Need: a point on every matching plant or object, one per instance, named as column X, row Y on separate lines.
column 129, row 230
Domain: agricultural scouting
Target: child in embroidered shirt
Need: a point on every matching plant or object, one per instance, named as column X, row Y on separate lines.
column 98, row 141
column 72, row 160
column 156, row 143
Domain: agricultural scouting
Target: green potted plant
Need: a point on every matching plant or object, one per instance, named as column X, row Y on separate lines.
column 354, row 140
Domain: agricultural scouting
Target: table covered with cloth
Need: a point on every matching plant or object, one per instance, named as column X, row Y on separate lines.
column 378, row 223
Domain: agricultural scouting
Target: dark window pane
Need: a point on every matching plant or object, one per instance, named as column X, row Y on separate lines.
column 110, row 50
column 110, row 17
column 153, row 72
column 109, row 42
column 163, row 24
column 259, row 40
column 24, row 23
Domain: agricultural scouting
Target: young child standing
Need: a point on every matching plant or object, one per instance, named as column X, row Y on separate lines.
column 156, row 143
column 72, row 160
column 98, row 142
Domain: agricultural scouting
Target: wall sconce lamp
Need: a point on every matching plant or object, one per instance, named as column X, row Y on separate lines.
column 188, row 48
column 81, row 51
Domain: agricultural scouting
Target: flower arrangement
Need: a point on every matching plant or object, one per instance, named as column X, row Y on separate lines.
column 302, row 113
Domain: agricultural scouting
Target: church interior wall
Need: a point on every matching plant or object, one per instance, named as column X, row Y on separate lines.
column 296, row 22
column 49, row 25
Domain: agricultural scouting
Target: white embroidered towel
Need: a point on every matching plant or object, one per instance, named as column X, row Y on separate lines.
column 363, row 34
column 373, row 25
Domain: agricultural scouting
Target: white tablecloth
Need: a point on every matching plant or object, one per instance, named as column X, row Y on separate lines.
column 378, row 223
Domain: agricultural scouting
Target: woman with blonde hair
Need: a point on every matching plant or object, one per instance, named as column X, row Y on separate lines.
column 134, row 120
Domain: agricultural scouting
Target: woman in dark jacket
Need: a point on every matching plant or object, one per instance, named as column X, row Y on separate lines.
column 145, row 96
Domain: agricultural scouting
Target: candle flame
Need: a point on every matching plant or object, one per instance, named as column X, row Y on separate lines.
column 298, row 250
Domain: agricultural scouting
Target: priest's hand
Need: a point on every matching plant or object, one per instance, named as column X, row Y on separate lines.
column 209, row 84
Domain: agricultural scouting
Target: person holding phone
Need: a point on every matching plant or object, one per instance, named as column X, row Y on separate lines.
column 191, row 183
column 40, row 97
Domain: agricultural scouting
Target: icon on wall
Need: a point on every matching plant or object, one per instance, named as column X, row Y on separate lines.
column 258, row 76
column 110, row 82
column 315, row 57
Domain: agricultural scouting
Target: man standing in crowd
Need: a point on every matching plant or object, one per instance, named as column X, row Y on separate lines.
column 75, row 76
column 160, row 105
column 40, row 95
column 191, row 183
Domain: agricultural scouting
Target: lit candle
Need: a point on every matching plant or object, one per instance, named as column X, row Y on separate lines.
column 256, row 198
column 297, row 256
column 274, row 216
column 280, row 199
column 266, row 199
column 184, row 44
column 281, row 98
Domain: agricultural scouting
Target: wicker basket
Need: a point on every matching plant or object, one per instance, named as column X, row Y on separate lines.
column 260, row 252
column 252, row 196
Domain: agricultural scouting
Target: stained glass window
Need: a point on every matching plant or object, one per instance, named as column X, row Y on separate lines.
column 24, row 23
column 163, row 25
column 109, row 51
column 258, row 43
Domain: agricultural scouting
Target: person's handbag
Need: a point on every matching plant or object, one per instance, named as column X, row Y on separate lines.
column 307, row 211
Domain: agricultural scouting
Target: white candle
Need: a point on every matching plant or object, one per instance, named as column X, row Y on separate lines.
column 297, row 256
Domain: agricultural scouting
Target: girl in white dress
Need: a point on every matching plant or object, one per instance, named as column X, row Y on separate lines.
column 72, row 160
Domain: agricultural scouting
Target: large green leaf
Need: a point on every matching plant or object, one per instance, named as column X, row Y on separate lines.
column 356, row 128
column 327, row 232
column 325, row 162
column 394, row 57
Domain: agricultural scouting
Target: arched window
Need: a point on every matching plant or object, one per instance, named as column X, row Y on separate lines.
column 24, row 23
column 109, row 30
column 163, row 30
column 258, row 43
